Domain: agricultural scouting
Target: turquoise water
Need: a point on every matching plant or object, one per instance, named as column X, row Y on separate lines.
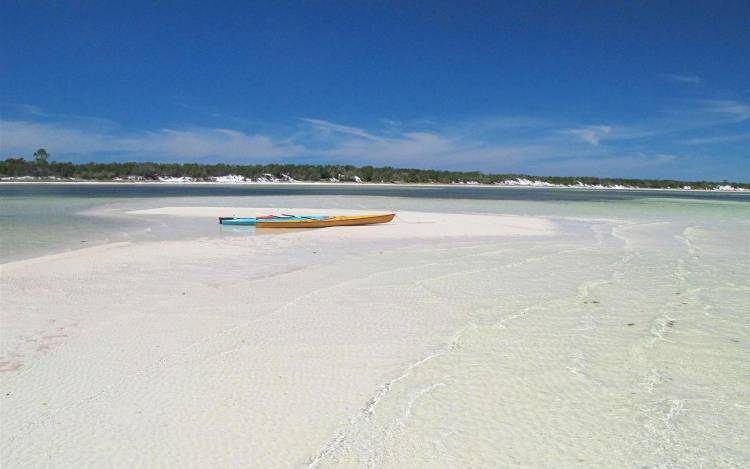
column 37, row 219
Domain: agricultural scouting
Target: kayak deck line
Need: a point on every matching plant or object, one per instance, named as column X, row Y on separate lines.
column 252, row 220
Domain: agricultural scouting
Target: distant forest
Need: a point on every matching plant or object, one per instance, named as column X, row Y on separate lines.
column 40, row 167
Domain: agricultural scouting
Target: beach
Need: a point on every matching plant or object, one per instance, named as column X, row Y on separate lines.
column 374, row 235
column 538, row 335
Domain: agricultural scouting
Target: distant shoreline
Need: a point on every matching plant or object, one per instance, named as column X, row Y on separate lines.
column 20, row 170
column 28, row 181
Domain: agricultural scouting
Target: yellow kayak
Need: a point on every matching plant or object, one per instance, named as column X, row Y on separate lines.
column 324, row 222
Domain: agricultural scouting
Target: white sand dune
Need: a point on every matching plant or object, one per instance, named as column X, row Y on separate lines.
column 437, row 340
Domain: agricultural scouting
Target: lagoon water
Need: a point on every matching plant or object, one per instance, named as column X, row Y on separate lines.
column 42, row 218
column 593, row 329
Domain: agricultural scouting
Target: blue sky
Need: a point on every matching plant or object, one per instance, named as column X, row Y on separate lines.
column 635, row 89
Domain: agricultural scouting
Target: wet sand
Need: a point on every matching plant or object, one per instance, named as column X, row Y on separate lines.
column 437, row 340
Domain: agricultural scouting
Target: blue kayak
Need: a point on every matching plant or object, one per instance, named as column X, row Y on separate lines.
column 251, row 220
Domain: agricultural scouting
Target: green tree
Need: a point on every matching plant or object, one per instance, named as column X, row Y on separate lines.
column 41, row 156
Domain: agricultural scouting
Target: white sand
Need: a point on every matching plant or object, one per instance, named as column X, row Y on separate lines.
column 406, row 224
column 438, row 340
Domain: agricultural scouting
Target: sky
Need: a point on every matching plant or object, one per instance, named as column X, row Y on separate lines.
column 641, row 89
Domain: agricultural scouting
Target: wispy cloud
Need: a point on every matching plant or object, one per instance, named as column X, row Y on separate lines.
column 735, row 110
column 323, row 141
column 329, row 128
column 687, row 117
column 684, row 116
column 677, row 78
column 210, row 143
column 490, row 143
column 33, row 113
column 338, row 142
column 591, row 134
column 20, row 137
column 718, row 139
column 32, row 110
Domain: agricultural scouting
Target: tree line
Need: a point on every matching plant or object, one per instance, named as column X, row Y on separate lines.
column 41, row 167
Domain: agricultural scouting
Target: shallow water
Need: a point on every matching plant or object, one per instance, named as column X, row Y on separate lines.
column 626, row 346
column 37, row 219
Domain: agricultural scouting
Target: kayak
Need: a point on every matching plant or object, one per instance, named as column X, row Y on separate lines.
column 323, row 222
column 253, row 220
